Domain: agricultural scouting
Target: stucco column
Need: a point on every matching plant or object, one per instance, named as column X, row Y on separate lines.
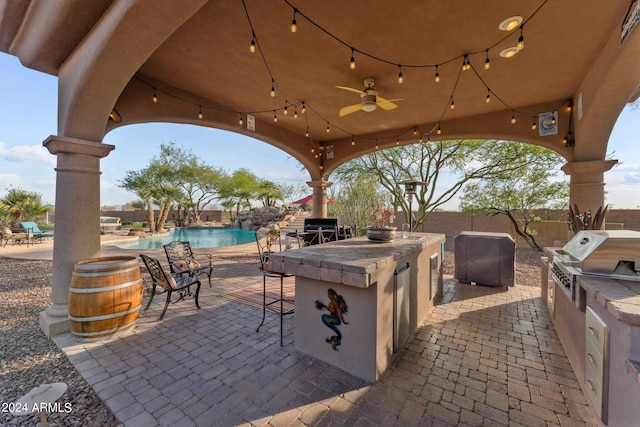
column 587, row 183
column 77, row 224
column 319, row 197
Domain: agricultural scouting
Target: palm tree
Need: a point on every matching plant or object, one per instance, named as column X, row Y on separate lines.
column 20, row 205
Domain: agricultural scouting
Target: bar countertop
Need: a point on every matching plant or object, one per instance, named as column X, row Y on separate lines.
column 353, row 262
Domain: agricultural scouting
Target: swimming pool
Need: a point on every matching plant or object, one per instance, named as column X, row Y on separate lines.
column 198, row 237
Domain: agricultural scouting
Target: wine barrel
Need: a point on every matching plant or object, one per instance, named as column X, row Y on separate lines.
column 105, row 297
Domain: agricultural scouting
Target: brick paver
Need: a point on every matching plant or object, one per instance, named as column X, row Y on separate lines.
column 484, row 356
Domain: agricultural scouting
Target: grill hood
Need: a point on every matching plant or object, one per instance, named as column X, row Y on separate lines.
column 603, row 252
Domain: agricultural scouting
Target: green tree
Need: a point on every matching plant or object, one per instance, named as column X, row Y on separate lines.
column 269, row 192
column 241, row 187
column 467, row 160
column 354, row 202
column 535, row 183
column 21, row 205
column 175, row 176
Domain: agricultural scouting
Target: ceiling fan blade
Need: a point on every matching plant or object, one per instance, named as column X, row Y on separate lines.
column 350, row 89
column 387, row 104
column 349, row 109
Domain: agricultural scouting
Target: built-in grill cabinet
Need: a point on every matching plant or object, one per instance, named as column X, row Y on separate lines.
column 596, row 375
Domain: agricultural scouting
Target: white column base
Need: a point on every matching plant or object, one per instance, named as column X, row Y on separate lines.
column 55, row 320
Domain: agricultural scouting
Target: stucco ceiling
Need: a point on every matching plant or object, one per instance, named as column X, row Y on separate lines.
column 205, row 62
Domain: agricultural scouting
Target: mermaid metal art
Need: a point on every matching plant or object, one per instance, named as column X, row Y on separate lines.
column 337, row 308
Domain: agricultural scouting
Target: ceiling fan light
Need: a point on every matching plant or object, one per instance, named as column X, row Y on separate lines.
column 369, row 107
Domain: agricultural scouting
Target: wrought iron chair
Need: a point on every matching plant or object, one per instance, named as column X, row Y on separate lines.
column 266, row 246
column 182, row 260
column 170, row 282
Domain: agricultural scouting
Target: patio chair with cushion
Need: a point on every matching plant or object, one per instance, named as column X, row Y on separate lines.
column 17, row 237
column 169, row 282
column 182, row 260
column 38, row 235
column 266, row 245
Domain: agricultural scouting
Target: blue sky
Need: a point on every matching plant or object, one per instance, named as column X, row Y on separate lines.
column 28, row 115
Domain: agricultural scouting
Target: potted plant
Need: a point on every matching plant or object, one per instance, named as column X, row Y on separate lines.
column 382, row 214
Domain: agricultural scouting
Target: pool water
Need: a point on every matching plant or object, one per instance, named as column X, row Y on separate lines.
column 197, row 237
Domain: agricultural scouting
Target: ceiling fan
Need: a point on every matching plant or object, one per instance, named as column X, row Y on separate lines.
column 370, row 100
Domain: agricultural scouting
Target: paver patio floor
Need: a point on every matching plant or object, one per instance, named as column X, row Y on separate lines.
column 483, row 357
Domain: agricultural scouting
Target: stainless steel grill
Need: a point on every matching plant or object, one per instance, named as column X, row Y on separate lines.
column 610, row 253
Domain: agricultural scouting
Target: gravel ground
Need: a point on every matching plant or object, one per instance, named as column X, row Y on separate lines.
column 28, row 358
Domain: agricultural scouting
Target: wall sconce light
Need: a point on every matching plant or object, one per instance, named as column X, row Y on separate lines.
column 114, row 116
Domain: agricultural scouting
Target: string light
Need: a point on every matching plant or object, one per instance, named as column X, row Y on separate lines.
column 439, row 131
column 155, row 95
column 275, row 116
column 240, row 122
column 488, row 98
column 513, row 119
column 353, row 141
column 306, row 134
column 252, row 46
column 487, row 62
column 273, row 88
column 420, row 138
column 285, row 111
column 437, row 76
column 352, row 63
column 415, row 131
column 376, row 145
column 294, row 25
column 452, row 105
column 397, row 141
column 466, row 65
column 304, row 109
column 400, row 78
column 200, row 112
column 295, row 112
column 328, row 130
column 520, row 44
column 534, row 125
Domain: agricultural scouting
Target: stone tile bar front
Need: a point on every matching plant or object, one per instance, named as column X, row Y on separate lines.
column 350, row 300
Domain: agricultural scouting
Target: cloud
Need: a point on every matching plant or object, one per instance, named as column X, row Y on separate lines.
column 26, row 154
column 10, row 180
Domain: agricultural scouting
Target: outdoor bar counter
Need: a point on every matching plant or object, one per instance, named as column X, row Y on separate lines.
column 357, row 301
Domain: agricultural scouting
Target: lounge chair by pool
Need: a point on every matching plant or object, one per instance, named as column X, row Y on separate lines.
column 38, row 234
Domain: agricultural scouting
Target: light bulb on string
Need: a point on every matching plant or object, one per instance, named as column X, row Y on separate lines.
column 154, row 98
column 328, row 129
column 295, row 112
column 275, row 116
column 273, row 89
column 487, row 62
column 429, row 137
column 200, row 112
column 240, row 122
column 488, row 98
column 397, row 141
column 534, row 125
column 421, row 139
column 400, row 77
column 285, row 111
column 466, row 65
column 353, row 141
column 520, row 44
column 452, row 105
column 513, row 119
column 376, row 145
column 352, row 62
column 415, row 131
column 294, row 25
column 439, row 131
column 304, row 109
column 437, row 76
column 306, row 134
column 252, row 45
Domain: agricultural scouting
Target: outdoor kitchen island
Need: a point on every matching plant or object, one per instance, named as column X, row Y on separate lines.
column 358, row 301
